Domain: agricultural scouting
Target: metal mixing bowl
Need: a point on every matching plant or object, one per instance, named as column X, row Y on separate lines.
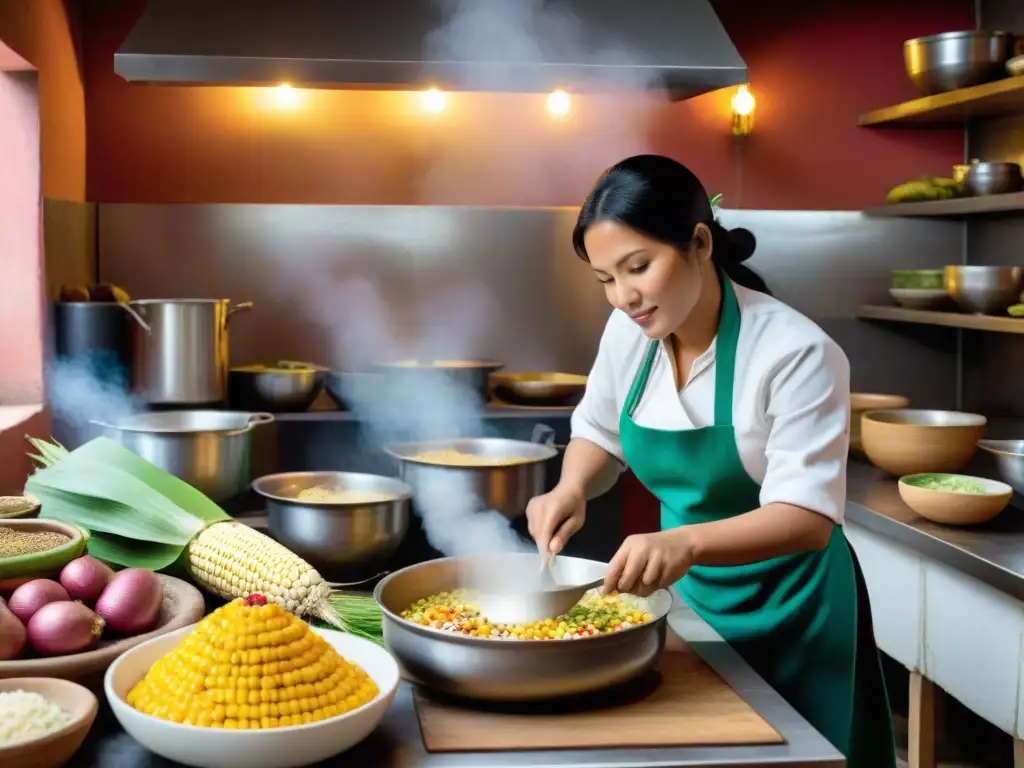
column 511, row 670
column 941, row 63
column 1009, row 456
column 334, row 534
column 506, row 488
column 993, row 178
column 984, row 290
column 278, row 389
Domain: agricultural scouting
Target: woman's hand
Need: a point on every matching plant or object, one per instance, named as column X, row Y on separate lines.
column 650, row 561
column 555, row 516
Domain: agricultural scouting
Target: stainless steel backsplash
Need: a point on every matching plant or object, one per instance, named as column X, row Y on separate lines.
column 502, row 283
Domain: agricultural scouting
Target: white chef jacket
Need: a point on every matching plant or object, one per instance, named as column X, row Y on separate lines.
column 790, row 410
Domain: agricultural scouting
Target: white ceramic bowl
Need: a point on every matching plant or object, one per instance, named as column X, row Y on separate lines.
column 295, row 745
column 919, row 298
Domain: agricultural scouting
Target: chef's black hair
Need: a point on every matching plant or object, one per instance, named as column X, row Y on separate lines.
column 663, row 199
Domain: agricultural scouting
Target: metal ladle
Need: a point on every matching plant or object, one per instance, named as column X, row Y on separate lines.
column 530, row 596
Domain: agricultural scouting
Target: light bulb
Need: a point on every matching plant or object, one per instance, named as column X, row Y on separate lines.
column 743, row 102
column 559, row 103
column 434, row 100
column 285, row 96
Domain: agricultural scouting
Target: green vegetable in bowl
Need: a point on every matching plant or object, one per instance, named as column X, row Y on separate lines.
column 947, row 483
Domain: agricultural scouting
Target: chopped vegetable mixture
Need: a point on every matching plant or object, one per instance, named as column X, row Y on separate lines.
column 249, row 665
column 595, row 614
column 949, row 483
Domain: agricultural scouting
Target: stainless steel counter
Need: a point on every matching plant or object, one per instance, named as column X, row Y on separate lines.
column 992, row 553
column 397, row 742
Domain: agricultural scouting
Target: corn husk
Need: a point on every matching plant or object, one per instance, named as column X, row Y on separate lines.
column 140, row 516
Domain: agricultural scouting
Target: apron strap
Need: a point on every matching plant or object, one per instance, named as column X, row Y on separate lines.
column 636, row 391
column 725, row 359
column 725, row 352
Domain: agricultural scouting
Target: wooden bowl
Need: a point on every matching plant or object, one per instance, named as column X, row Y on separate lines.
column 183, row 604
column 18, row 507
column 955, row 507
column 867, row 401
column 53, row 749
column 908, row 441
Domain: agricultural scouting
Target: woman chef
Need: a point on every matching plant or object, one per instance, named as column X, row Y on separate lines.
column 733, row 409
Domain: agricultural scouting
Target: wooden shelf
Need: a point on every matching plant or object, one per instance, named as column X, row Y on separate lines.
column 960, row 206
column 1002, row 97
column 948, row 319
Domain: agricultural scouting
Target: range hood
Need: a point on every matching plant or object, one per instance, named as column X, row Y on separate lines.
column 481, row 45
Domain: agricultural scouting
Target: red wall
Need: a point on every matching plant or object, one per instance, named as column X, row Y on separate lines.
column 812, row 71
column 813, row 67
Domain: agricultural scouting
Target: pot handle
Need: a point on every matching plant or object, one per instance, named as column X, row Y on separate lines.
column 127, row 307
column 245, row 305
column 258, row 418
column 545, row 435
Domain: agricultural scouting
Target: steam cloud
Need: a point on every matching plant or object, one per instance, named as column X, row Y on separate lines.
column 79, row 394
column 454, row 321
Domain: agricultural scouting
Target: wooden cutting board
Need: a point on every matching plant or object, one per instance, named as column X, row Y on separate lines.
column 682, row 703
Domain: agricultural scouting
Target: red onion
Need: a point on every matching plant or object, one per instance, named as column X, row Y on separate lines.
column 61, row 628
column 12, row 634
column 30, row 597
column 131, row 602
column 85, row 578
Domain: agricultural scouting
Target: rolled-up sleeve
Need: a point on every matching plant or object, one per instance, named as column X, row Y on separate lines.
column 808, row 414
column 596, row 418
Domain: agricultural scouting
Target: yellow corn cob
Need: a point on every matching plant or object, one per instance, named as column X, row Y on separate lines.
column 232, row 560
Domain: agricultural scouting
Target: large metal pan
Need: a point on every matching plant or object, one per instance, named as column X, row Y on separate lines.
column 494, row 483
column 510, row 670
column 473, row 375
column 538, row 387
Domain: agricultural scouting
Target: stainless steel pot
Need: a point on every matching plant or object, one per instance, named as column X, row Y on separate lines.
column 506, row 488
column 510, row 670
column 181, row 350
column 210, row 450
column 336, row 533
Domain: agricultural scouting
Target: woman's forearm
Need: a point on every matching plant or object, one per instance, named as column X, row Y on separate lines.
column 588, row 469
column 761, row 534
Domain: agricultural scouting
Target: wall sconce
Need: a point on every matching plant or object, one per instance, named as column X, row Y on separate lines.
column 559, row 104
column 743, row 104
column 434, row 100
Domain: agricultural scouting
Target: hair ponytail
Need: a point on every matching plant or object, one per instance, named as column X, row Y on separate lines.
column 730, row 248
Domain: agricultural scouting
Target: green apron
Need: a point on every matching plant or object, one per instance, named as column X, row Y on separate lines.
column 802, row 621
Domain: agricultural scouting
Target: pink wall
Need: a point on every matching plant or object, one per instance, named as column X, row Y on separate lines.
column 21, row 294
column 21, row 270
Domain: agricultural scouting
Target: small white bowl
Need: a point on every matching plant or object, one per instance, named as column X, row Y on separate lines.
column 295, row 745
column 920, row 298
